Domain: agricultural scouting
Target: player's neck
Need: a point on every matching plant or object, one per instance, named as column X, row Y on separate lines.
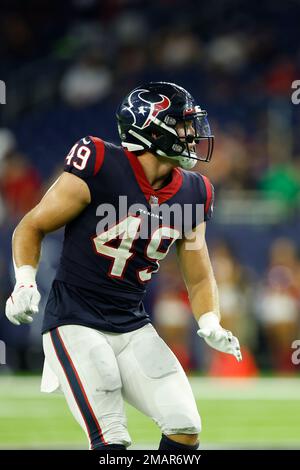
column 157, row 170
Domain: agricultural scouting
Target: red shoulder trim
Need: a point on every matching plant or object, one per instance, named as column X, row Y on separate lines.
column 100, row 151
column 208, row 193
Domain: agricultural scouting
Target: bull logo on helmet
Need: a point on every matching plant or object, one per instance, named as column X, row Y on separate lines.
column 145, row 111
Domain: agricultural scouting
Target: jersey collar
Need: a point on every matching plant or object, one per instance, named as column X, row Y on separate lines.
column 162, row 194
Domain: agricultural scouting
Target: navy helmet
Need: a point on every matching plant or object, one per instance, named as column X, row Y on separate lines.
column 148, row 120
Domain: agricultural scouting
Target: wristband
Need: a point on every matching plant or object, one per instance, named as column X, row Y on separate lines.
column 209, row 320
column 25, row 274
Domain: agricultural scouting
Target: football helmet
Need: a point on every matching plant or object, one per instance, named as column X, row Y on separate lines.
column 164, row 119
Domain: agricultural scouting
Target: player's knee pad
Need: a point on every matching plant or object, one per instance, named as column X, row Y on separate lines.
column 181, row 422
column 183, row 419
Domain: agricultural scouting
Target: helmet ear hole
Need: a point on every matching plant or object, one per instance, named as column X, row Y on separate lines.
column 165, row 143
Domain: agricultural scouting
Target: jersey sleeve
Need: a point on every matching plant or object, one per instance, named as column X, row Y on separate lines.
column 207, row 197
column 85, row 158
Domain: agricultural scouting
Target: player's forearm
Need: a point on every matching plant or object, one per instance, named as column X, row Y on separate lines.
column 204, row 297
column 26, row 243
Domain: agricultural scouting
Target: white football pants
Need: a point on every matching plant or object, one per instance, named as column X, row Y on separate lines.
column 96, row 370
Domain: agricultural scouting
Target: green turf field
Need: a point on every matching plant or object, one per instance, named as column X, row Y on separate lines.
column 256, row 413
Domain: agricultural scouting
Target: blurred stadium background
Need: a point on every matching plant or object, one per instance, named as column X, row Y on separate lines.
column 66, row 65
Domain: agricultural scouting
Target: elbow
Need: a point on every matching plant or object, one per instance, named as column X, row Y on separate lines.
column 28, row 227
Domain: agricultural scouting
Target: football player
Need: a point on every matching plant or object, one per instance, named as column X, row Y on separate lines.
column 100, row 346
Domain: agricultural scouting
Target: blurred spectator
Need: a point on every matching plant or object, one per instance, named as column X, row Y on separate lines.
column 177, row 49
column 280, row 76
column 228, row 52
column 278, row 304
column 229, row 168
column 130, row 28
column 234, row 296
column 282, row 182
column 20, row 183
column 7, row 144
column 86, row 82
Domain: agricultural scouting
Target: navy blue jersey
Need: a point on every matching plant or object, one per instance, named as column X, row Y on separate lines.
column 113, row 248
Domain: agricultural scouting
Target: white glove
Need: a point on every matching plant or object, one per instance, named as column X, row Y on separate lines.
column 25, row 298
column 218, row 338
